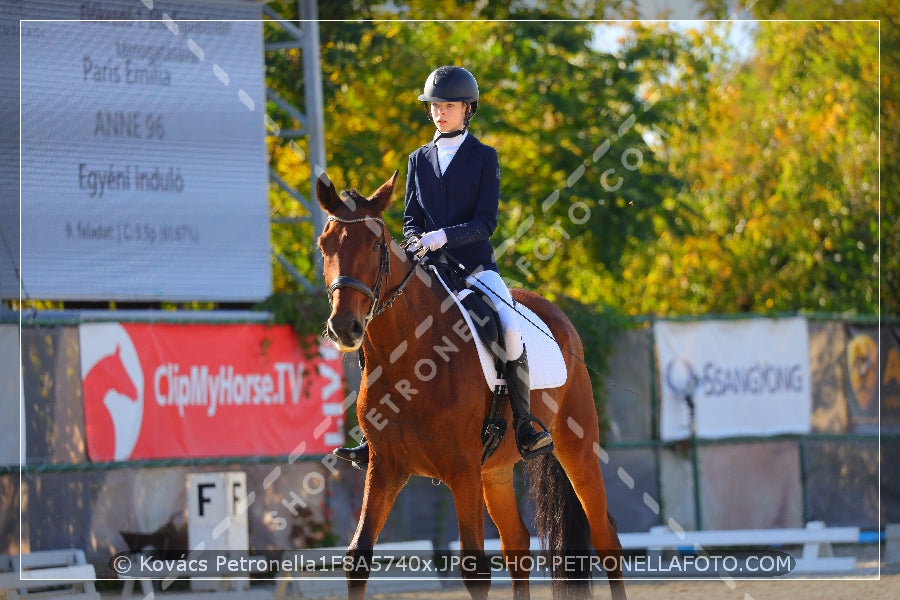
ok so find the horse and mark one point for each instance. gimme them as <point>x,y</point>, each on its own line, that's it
<point>421,410</point>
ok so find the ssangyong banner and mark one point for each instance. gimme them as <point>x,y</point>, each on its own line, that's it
<point>155,391</point>
<point>143,162</point>
<point>747,377</point>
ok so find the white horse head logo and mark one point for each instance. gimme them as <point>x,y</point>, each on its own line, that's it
<point>113,387</point>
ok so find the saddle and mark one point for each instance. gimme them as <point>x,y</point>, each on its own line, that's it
<point>486,321</point>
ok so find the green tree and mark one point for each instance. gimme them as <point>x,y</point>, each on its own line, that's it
<point>673,176</point>
<point>885,31</point>
<point>780,155</point>
<point>549,103</point>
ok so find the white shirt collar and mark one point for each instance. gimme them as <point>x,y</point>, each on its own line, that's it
<point>446,149</point>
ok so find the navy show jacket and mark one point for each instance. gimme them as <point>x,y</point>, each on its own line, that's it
<point>464,201</point>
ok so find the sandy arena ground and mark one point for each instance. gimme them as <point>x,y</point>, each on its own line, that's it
<point>867,587</point>
<point>864,585</point>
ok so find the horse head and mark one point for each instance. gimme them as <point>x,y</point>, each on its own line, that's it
<point>355,247</point>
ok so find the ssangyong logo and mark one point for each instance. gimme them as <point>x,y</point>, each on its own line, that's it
<point>722,379</point>
<point>681,377</point>
<point>113,389</point>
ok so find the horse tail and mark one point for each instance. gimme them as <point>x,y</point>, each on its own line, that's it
<point>562,526</point>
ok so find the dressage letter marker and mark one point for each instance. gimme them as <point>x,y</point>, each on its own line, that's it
<point>217,515</point>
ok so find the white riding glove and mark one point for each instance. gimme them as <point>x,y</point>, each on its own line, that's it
<point>431,241</point>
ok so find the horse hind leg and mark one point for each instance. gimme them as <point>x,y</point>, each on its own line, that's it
<point>468,500</point>
<point>582,467</point>
<point>500,499</point>
<point>614,571</point>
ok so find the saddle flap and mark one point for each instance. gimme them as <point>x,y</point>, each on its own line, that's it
<point>547,367</point>
<point>483,314</point>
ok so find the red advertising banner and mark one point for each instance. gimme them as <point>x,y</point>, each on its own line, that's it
<point>190,391</point>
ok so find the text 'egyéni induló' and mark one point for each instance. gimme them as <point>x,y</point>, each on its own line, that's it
<point>102,181</point>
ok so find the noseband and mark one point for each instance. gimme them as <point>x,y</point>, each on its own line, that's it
<point>384,268</point>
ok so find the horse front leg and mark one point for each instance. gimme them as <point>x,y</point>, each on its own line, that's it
<point>381,489</point>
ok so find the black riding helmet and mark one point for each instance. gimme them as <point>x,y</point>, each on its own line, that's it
<point>451,84</point>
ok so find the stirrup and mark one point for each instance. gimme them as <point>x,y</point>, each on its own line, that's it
<point>539,442</point>
<point>358,457</point>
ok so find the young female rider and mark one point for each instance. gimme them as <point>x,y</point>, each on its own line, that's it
<point>452,202</point>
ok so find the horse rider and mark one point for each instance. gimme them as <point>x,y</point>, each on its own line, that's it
<point>452,202</point>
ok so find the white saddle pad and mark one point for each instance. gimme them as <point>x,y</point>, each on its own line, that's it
<point>546,365</point>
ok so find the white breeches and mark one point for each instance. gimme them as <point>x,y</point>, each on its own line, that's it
<point>496,289</point>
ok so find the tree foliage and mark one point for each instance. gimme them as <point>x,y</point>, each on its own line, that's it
<point>673,175</point>
<point>865,81</point>
<point>780,156</point>
<point>548,104</point>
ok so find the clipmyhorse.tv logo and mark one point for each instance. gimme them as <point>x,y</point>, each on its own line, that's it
<point>113,391</point>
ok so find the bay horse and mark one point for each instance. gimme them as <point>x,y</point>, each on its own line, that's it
<point>421,408</point>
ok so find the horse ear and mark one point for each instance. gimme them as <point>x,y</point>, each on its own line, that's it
<point>326,194</point>
<point>382,196</point>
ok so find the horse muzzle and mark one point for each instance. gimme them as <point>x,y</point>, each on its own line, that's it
<point>346,331</point>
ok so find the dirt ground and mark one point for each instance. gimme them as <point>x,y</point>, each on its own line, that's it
<point>869,587</point>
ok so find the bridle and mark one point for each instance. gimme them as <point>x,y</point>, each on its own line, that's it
<point>384,271</point>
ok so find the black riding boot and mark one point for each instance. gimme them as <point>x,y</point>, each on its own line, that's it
<point>359,456</point>
<point>531,443</point>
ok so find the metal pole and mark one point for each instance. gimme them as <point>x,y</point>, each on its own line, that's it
<point>695,462</point>
<point>654,426</point>
<point>804,478</point>
<point>315,117</point>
